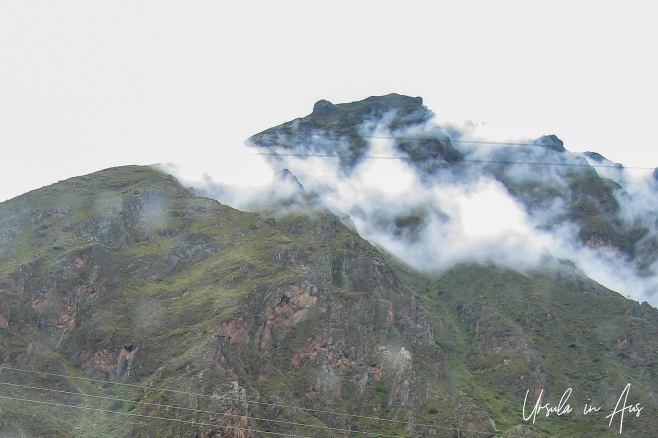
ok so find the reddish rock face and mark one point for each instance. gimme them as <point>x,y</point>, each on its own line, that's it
<point>249,320</point>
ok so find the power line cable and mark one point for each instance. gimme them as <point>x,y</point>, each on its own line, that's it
<point>384,157</point>
<point>229,397</point>
<point>365,417</point>
<point>195,423</point>
<point>2,367</point>
<point>215,413</point>
<point>480,142</point>
<point>225,414</point>
<point>160,405</point>
<point>453,140</point>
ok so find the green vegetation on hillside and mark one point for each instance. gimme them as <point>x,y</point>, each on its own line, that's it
<point>176,315</point>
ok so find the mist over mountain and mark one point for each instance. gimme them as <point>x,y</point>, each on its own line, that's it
<point>395,279</point>
<point>434,196</point>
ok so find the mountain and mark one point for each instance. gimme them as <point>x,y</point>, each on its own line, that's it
<point>347,122</point>
<point>131,305</point>
<point>581,201</point>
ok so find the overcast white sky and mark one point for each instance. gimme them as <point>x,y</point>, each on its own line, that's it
<point>87,85</point>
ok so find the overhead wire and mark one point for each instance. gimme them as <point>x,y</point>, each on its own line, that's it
<point>365,417</point>
<point>90,379</point>
<point>229,397</point>
<point>224,414</point>
<point>201,423</point>
<point>195,423</point>
<point>454,140</point>
<point>467,160</point>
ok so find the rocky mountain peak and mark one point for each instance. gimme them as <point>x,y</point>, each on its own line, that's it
<point>323,108</point>
<point>347,128</point>
<point>551,142</point>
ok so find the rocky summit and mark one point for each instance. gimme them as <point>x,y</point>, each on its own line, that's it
<point>132,306</point>
<point>350,124</point>
<point>585,191</point>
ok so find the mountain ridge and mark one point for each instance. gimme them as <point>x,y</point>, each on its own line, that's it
<point>154,286</point>
<point>131,305</point>
<point>602,208</point>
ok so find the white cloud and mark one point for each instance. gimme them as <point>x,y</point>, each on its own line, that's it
<point>454,215</point>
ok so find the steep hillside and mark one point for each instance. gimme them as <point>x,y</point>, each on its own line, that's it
<point>124,276</point>
<point>132,307</point>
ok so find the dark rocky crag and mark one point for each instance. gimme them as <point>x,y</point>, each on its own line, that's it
<point>349,125</point>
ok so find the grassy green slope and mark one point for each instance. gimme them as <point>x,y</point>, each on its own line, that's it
<point>99,268</point>
<point>237,321</point>
<point>505,333</point>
